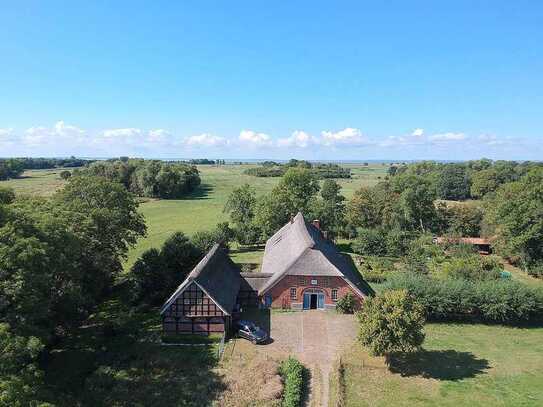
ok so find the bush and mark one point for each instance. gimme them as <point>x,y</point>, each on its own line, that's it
<point>472,267</point>
<point>370,242</point>
<point>292,372</point>
<point>7,195</point>
<point>397,242</point>
<point>536,269</point>
<point>391,322</point>
<point>501,301</point>
<point>346,304</point>
<point>376,269</point>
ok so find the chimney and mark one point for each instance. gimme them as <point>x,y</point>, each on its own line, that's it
<point>317,224</point>
<point>291,219</point>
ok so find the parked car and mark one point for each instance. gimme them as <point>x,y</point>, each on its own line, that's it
<point>249,330</point>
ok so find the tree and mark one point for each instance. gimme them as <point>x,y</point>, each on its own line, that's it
<point>374,207</point>
<point>461,220</point>
<point>453,183</point>
<point>157,273</point>
<point>241,206</point>
<point>516,215</point>
<point>370,242</point>
<point>416,204</point>
<point>330,210</point>
<point>391,322</point>
<point>297,187</point>
<point>20,377</point>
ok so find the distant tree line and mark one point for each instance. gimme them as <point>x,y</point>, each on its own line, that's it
<point>14,167</point>
<point>147,178</point>
<point>320,170</point>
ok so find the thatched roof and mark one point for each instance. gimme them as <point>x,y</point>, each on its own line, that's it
<point>217,275</point>
<point>299,248</point>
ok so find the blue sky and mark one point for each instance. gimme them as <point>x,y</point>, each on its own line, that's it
<point>257,79</point>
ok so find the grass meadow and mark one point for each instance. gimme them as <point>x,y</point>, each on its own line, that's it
<point>200,211</point>
<point>461,364</point>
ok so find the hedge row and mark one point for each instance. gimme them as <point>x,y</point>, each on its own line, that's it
<point>291,371</point>
<point>486,301</point>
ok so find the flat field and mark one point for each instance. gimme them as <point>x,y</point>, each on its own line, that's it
<point>204,209</point>
<point>462,364</point>
<point>200,211</point>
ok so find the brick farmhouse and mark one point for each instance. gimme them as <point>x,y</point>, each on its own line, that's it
<point>301,270</point>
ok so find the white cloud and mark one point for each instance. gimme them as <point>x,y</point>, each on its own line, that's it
<point>299,139</point>
<point>206,140</point>
<point>122,133</point>
<point>448,137</point>
<point>254,139</point>
<point>59,133</point>
<point>491,140</point>
<point>345,137</point>
<point>5,133</point>
<point>418,133</point>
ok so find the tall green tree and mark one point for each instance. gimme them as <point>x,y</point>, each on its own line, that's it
<point>516,214</point>
<point>391,322</point>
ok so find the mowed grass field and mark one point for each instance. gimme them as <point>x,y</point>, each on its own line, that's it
<point>200,211</point>
<point>462,364</point>
<point>204,209</point>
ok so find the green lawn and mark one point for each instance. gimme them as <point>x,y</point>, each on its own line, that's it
<point>37,182</point>
<point>462,364</point>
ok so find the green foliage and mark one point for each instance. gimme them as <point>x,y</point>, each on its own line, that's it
<point>374,207</point>
<point>473,267</point>
<point>391,322</point>
<point>10,168</point>
<point>157,273</point>
<point>150,178</point>
<point>461,220</point>
<point>292,372</point>
<point>454,183</point>
<point>516,215</point>
<point>330,210</point>
<point>498,301</point>
<point>346,304</point>
<point>59,257</point>
<point>241,206</point>
<point>421,250</point>
<point>20,377</point>
<point>7,195</point>
<point>65,174</point>
<point>204,240</point>
<point>319,170</point>
<point>376,269</point>
<point>370,242</point>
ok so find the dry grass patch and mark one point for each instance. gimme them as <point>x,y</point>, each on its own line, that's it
<point>251,379</point>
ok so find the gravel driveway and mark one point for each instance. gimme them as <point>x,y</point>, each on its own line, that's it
<point>316,338</point>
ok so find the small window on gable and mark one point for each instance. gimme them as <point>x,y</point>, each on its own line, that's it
<point>293,293</point>
<point>334,294</point>
<point>314,282</point>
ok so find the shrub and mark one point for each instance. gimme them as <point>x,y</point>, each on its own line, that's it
<point>370,242</point>
<point>7,195</point>
<point>472,267</point>
<point>391,322</point>
<point>397,242</point>
<point>346,304</point>
<point>292,372</point>
<point>536,269</point>
<point>498,301</point>
<point>376,269</point>
<point>65,174</point>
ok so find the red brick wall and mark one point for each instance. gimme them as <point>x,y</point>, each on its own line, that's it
<point>281,291</point>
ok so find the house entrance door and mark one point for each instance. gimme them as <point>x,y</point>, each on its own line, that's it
<point>314,299</point>
<point>313,304</point>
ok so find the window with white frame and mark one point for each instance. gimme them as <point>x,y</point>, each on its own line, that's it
<point>334,294</point>
<point>293,293</point>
